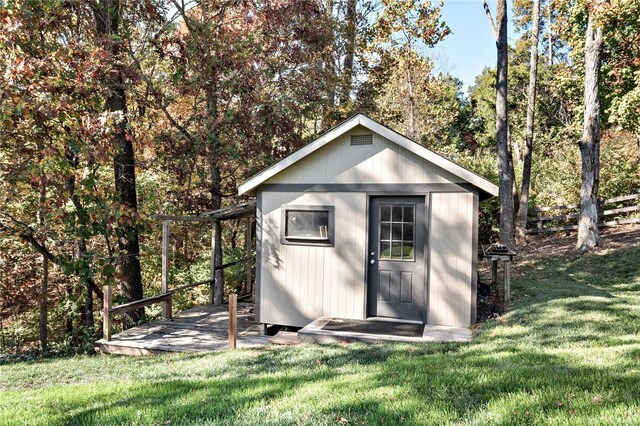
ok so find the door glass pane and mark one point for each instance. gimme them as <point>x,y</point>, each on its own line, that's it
<point>407,250</point>
<point>385,250</point>
<point>396,250</point>
<point>397,231</point>
<point>397,213</point>
<point>385,231</point>
<point>385,213</point>
<point>407,232</point>
<point>408,214</point>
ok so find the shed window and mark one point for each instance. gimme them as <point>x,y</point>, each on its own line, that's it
<point>308,225</point>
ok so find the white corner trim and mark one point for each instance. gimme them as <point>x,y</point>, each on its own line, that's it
<point>361,119</point>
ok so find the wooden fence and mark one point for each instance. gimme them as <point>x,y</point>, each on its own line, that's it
<point>613,211</point>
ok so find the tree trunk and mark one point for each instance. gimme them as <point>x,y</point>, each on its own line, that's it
<point>588,236</point>
<point>44,284</point>
<point>87,283</point>
<point>505,163</point>
<point>218,289</point>
<point>216,193</point>
<point>412,104</point>
<point>349,52</point>
<point>549,34</point>
<point>523,208</point>
<point>107,14</point>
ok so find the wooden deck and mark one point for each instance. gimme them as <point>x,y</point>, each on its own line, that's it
<point>201,329</point>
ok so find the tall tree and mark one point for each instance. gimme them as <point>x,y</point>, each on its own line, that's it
<point>239,80</point>
<point>107,15</point>
<point>588,235</point>
<point>351,24</point>
<point>523,208</point>
<point>505,162</point>
<point>403,29</point>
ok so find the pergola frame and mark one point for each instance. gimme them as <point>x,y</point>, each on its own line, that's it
<point>245,210</point>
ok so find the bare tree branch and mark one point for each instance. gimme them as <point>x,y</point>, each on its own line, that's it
<point>492,24</point>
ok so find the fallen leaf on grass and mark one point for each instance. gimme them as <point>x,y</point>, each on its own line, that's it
<point>596,399</point>
<point>342,420</point>
<point>572,412</point>
<point>559,404</point>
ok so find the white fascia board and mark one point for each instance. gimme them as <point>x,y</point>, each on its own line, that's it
<point>430,156</point>
<point>269,172</point>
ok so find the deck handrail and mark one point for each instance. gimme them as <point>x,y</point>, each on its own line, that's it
<point>166,298</point>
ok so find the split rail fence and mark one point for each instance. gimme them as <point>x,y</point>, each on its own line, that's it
<point>612,212</point>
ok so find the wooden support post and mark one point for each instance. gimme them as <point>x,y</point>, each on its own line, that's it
<point>539,215</point>
<point>248,256</point>
<point>212,284</point>
<point>233,313</point>
<point>169,307</point>
<point>507,280</point>
<point>166,308</point>
<point>494,273</point>
<point>106,318</point>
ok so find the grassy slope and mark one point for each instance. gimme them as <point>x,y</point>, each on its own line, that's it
<point>568,353</point>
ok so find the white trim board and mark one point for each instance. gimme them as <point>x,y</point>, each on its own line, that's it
<point>360,119</point>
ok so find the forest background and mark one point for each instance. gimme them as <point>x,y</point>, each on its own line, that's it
<point>111,111</point>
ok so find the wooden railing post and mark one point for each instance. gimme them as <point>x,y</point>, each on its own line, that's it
<point>248,256</point>
<point>106,317</point>
<point>166,307</point>
<point>507,280</point>
<point>233,313</point>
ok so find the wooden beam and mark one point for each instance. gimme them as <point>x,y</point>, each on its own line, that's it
<point>165,265</point>
<point>106,316</point>
<point>132,306</point>
<point>623,198</point>
<point>233,314</point>
<point>546,209</point>
<point>183,287</point>
<point>189,218</point>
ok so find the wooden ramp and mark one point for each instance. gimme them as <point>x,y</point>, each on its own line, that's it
<point>201,329</point>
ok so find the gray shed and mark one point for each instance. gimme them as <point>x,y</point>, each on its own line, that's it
<point>365,223</point>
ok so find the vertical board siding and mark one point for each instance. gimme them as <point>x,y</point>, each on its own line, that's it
<point>382,162</point>
<point>302,283</point>
<point>451,259</point>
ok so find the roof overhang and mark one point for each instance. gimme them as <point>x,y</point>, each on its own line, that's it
<point>484,186</point>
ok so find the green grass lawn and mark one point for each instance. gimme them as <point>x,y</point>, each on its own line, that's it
<point>567,353</point>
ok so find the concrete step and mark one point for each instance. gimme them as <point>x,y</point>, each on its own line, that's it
<point>285,338</point>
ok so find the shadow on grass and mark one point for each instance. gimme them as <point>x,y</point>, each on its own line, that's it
<point>425,384</point>
<point>588,299</point>
<point>568,352</point>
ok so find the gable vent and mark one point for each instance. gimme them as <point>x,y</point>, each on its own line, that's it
<point>359,140</point>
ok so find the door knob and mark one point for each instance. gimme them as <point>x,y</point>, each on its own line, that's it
<point>372,261</point>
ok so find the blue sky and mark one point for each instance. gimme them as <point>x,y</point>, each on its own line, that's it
<point>470,46</point>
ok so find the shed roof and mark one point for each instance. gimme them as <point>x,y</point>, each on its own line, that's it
<point>467,175</point>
